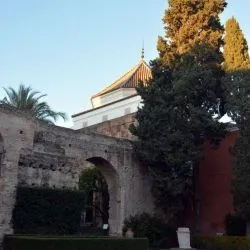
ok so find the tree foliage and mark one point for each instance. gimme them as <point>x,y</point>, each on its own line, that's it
<point>237,84</point>
<point>159,234</point>
<point>235,53</point>
<point>241,170</point>
<point>47,211</point>
<point>237,78</point>
<point>181,104</point>
<point>188,23</point>
<point>30,101</point>
<point>92,182</point>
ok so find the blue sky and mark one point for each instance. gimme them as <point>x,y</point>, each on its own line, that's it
<point>71,49</point>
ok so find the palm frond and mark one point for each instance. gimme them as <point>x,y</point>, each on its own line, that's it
<point>29,100</point>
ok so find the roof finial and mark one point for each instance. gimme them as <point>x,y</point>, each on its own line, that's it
<point>142,51</point>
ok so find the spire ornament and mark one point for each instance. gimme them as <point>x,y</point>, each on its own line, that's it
<point>142,51</point>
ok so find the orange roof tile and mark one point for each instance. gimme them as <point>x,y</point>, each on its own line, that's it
<point>141,72</point>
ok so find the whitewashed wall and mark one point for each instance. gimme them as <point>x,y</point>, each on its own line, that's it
<point>108,112</point>
<point>112,96</point>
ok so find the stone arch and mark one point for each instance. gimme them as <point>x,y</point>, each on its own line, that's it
<point>113,181</point>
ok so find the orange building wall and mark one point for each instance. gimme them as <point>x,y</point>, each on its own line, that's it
<point>215,183</point>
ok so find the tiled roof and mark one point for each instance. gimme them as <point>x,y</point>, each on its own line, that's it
<point>141,72</point>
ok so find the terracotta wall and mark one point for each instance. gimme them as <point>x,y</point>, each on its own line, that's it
<point>215,184</point>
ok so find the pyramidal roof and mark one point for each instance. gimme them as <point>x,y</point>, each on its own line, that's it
<point>140,73</point>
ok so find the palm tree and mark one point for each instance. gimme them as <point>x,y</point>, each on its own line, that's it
<point>29,100</point>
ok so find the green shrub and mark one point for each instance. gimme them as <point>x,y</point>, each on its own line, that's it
<point>47,211</point>
<point>235,225</point>
<point>93,231</point>
<point>92,181</point>
<point>72,243</point>
<point>160,235</point>
<point>222,243</point>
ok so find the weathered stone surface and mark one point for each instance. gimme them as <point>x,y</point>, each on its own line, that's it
<point>118,127</point>
<point>36,154</point>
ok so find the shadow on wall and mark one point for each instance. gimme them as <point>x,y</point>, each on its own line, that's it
<point>1,153</point>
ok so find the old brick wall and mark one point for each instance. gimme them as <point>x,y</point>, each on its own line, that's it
<point>1,152</point>
<point>118,127</point>
<point>37,154</point>
<point>16,132</point>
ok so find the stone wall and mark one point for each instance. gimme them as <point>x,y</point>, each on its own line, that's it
<point>1,152</point>
<point>118,127</point>
<point>37,154</point>
<point>214,180</point>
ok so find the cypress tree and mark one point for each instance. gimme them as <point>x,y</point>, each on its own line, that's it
<point>188,23</point>
<point>181,101</point>
<point>237,67</point>
<point>235,53</point>
<point>237,84</point>
<point>241,170</point>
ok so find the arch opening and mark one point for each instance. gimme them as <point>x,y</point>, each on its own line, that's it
<point>105,195</point>
<point>95,187</point>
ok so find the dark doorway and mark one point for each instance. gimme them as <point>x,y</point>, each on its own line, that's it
<point>93,183</point>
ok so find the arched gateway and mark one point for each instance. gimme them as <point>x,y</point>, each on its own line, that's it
<point>37,154</point>
<point>112,179</point>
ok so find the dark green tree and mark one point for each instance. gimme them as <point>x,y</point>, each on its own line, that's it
<point>237,67</point>
<point>181,102</point>
<point>241,170</point>
<point>235,52</point>
<point>237,84</point>
<point>28,100</point>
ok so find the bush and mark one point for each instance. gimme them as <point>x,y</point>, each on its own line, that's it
<point>222,243</point>
<point>72,243</point>
<point>47,211</point>
<point>92,181</point>
<point>93,231</point>
<point>235,225</point>
<point>159,234</point>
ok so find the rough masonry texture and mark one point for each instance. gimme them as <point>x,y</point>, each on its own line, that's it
<point>36,154</point>
<point>214,180</point>
<point>33,153</point>
<point>118,127</point>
